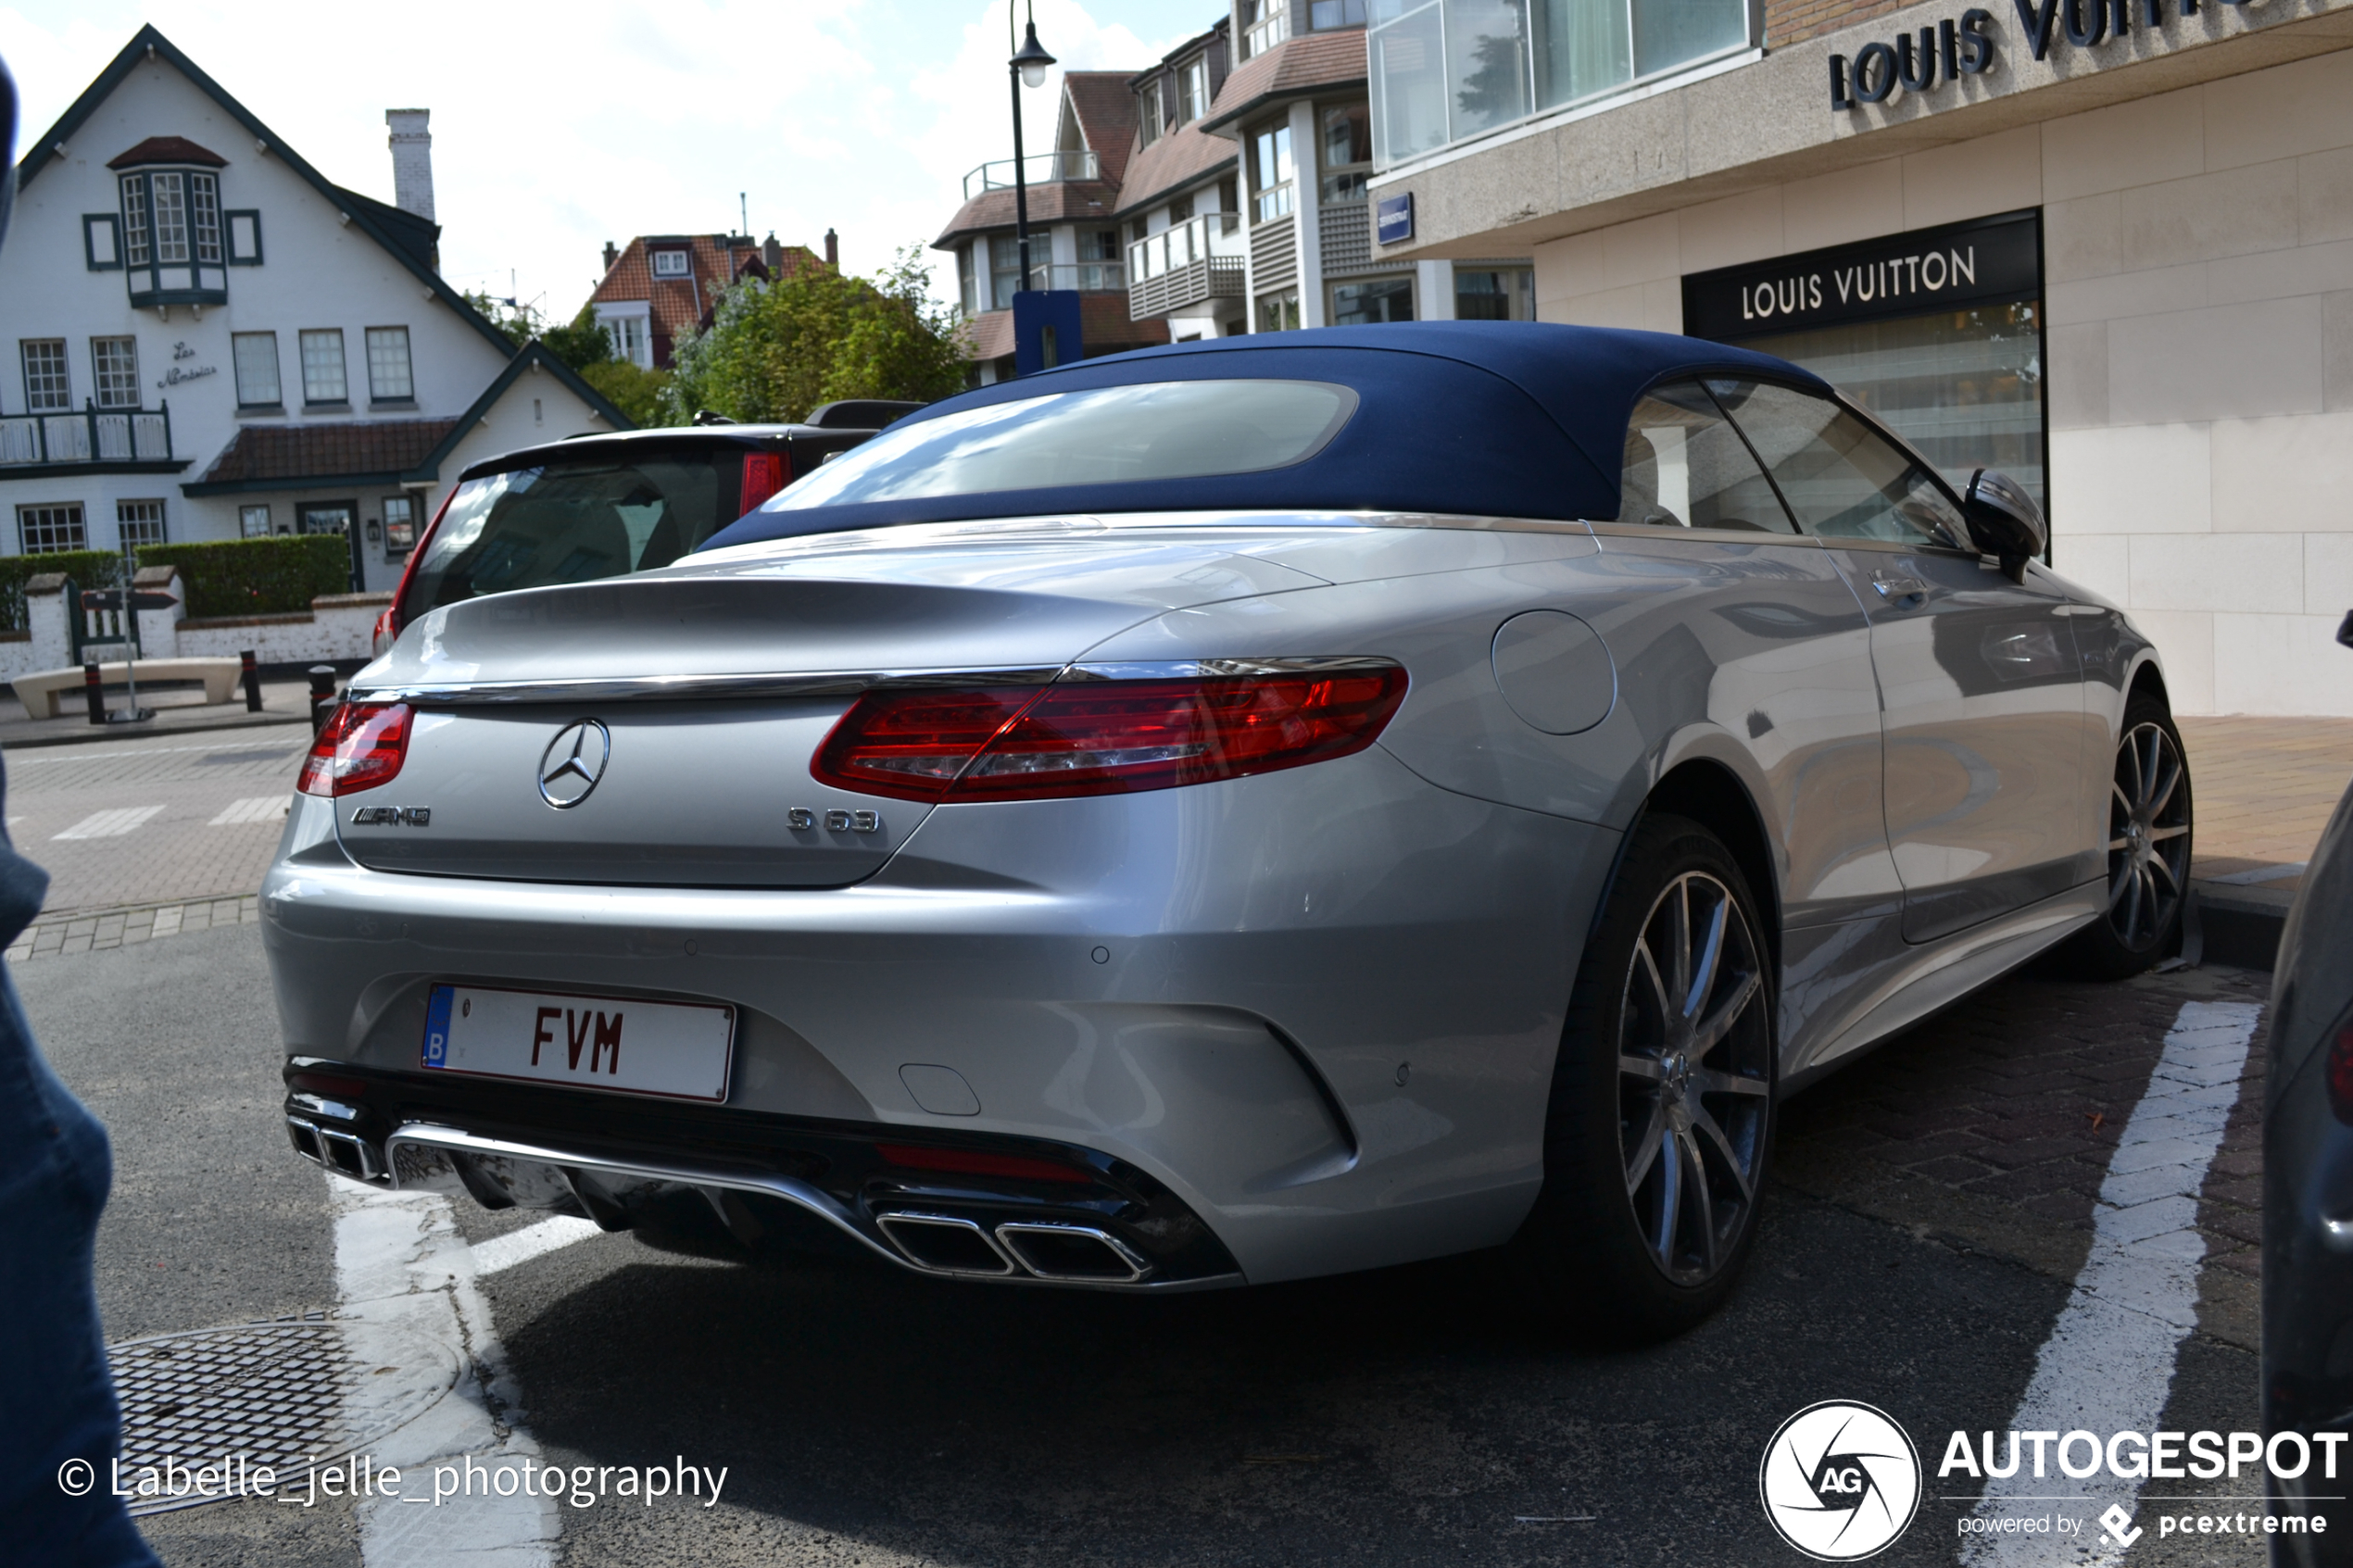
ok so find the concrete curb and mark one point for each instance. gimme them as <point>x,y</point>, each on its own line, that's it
<point>2240,925</point>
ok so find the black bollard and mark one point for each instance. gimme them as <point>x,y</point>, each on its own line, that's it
<point>323,695</point>
<point>252,682</point>
<point>96,692</point>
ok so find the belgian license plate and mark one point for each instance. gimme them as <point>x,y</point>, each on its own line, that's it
<point>678,1050</point>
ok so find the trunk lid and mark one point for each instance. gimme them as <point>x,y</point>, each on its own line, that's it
<point>707,689</point>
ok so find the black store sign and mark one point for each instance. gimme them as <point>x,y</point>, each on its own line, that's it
<point>1983,261</point>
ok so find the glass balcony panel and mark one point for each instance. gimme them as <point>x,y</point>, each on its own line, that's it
<point>1581,49</point>
<point>1668,32</point>
<point>1038,169</point>
<point>1486,63</point>
<point>1409,84</point>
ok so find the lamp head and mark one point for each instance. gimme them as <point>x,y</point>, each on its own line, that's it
<point>1033,59</point>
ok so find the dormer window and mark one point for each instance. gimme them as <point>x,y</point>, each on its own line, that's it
<point>171,240</point>
<point>670,264</point>
<point>1192,91</point>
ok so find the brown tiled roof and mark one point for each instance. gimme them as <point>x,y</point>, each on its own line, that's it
<point>1179,158</point>
<point>336,451</point>
<point>681,305</point>
<point>1102,321</point>
<point>1106,112</point>
<point>1060,201</point>
<point>1296,66</point>
<point>168,149</point>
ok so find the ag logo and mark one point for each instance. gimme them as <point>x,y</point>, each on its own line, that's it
<point>1840,1481</point>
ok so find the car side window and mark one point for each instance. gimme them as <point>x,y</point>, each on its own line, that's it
<point>1686,467</point>
<point>1842,478</point>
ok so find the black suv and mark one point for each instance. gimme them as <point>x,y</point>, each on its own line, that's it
<point>602,506</point>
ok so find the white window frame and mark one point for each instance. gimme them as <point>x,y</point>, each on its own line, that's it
<point>670,262</point>
<point>114,372</point>
<point>51,516</point>
<point>238,359</point>
<point>387,351</point>
<point>138,514</point>
<point>321,337</point>
<point>41,398</point>
<point>253,522</point>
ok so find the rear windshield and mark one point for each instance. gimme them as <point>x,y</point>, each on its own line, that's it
<point>537,527</point>
<point>1119,434</point>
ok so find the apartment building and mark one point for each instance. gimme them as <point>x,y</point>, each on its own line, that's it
<point>2106,244</point>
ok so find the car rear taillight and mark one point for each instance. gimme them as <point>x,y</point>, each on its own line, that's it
<point>2340,1068</point>
<point>361,745</point>
<point>763,476</point>
<point>1102,738</point>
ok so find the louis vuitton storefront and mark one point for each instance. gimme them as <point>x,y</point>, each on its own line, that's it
<point>2104,244</point>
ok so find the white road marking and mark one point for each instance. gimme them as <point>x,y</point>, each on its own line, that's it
<point>402,1269</point>
<point>2108,1365</point>
<point>503,1252</point>
<point>110,824</point>
<point>258,809</point>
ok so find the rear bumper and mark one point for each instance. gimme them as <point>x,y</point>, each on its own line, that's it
<point>1319,1008</point>
<point>769,1181</point>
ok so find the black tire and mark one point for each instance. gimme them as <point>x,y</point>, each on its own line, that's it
<point>2148,850</point>
<point>1623,1245</point>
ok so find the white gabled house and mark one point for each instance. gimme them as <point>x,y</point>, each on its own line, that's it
<point>208,339</point>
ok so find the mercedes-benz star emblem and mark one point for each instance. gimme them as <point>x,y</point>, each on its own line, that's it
<point>572,763</point>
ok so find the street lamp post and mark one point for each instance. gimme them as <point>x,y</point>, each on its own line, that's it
<point>1026,68</point>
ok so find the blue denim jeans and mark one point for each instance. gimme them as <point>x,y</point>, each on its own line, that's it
<point>57,1402</point>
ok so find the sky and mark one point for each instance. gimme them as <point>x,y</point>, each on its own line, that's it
<point>561,124</point>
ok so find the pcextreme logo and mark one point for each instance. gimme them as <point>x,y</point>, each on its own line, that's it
<point>1840,1481</point>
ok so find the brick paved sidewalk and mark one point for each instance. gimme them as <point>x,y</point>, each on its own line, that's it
<point>2265,788</point>
<point>99,930</point>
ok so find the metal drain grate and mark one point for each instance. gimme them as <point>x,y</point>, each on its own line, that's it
<point>288,1395</point>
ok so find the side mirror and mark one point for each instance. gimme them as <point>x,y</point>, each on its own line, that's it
<point>2004,521</point>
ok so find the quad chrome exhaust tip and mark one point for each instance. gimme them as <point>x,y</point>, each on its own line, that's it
<point>345,1153</point>
<point>1048,1250</point>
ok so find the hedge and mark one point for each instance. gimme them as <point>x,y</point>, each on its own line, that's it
<point>89,569</point>
<point>277,575</point>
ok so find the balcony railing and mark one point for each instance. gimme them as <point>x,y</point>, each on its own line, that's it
<point>1094,275</point>
<point>1186,264</point>
<point>1264,34</point>
<point>1038,168</point>
<point>93,436</point>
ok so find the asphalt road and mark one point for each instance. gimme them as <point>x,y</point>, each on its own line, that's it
<point>1408,1417</point>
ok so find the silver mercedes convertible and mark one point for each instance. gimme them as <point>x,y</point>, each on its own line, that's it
<point>1229,813</point>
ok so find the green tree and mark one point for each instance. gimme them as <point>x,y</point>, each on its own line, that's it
<point>634,391</point>
<point>581,345</point>
<point>776,350</point>
<point>520,323</point>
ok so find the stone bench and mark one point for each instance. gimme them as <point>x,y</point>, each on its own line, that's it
<point>41,693</point>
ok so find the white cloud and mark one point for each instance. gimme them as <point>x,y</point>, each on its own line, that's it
<point>560,124</point>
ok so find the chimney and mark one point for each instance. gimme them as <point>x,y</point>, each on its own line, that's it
<point>833,250</point>
<point>772,253</point>
<point>411,161</point>
<point>611,256</point>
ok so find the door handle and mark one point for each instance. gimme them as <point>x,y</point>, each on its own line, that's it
<point>1904,593</point>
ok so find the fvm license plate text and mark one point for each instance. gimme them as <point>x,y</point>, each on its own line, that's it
<point>599,1031</point>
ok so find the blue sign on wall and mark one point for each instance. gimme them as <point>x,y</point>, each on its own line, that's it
<point>1046,330</point>
<point>1396,218</point>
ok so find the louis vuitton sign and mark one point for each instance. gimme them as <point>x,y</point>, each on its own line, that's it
<point>1984,262</point>
<point>1939,55</point>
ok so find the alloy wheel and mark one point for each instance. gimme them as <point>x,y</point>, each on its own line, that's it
<point>1694,1076</point>
<point>2148,836</point>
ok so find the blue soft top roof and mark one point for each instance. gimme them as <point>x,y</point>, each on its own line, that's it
<point>1501,419</point>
